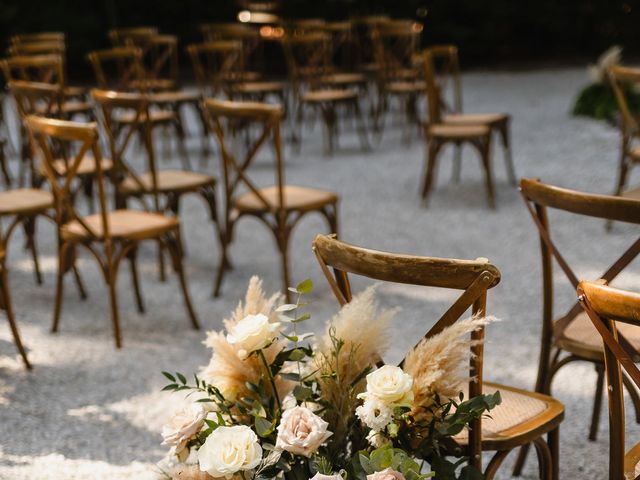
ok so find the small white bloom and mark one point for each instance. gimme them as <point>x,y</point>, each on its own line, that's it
<point>390,385</point>
<point>184,425</point>
<point>378,439</point>
<point>301,431</point>
<point>252,333</point>
<point>228,450</point>
<point>375,414</point>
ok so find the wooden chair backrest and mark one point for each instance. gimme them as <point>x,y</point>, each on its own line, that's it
<point>119,37</point>
<point>221,115</point>
<point>119,136</point>
<point>38,37</point>
<point>308,58</point>
<point>159,55</point>
<point>473,277</point>
<point>395,44</point>
<point>227,31</point>
<point>36,68</point>
<point>341,40</point>
<point>53,135</point>
<point>441,67</point>
<point>38,48</point>
<point>37,98</point>
<point>621,78</point>
<point>607,306</point>
<point>216,64</point>
<point>538,198</point>
<point>116,68</point>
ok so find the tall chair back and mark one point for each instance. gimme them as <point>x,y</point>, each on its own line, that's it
<point>308,59</point>
<point>441,70</point>
<point>120,37</point>
<point>34,68</point>
<point>621,78</point>
<point>607,306</point>
<point>472,277</point>
<point>395,45</point>
<point>216,65</point>
<point>117,68</point>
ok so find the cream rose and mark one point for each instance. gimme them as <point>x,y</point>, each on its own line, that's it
<point>228,450</point>
<point>252,333</point>
<point>390,385</point>
<point>320,476</point>
<point>301,431</point>
<point>386,474</point>
<point>184,425</point>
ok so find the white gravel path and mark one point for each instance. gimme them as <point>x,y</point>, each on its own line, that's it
<point>89,411</point>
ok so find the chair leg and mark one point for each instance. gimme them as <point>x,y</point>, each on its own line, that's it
<point>3,166</point>
<point>6,302</point>
<point>174,246</point>
<point>79,284</point>
<point>283,245</point>
<point>362,131</point>
<point>633,393</point>
<point>485,152</point>
<point>597,403</point>
<point>113,299</point>
<point>30,232</point>
<point>62,268</point>
<point>457,163</point>
<point>505,135</point>
<point>544,459</point>
<point>225,264</point>
<point>495,463</point>
<point>623,172</point>
<point>553,439</point>
<point>134,279</point>
<point>182,147</point>
<point>161,272</point>
<point>432,153</point>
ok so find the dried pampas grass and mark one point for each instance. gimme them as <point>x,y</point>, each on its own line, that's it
<point>227,370</point>
<point>440,364</point>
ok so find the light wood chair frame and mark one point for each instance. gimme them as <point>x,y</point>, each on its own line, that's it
<point>115,249</point>
<point>606,306</point>
<point>473,278</point>
<point>539,198</point>
<point>279,219</point>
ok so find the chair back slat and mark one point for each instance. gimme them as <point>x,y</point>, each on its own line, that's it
<point>34,68</point>
<point>621,80</point>
<point>472,277</point>
<point>117,68</point>
<point>216,65</point>
<point>607,306</point>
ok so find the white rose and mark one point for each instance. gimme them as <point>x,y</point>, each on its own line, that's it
<point>320,476</point>
<point>183,426</point>
<point>252,333</point>
<point>301,431</point>
<point>390,385</point>
<point>386,474</point>
<point>228,450</point>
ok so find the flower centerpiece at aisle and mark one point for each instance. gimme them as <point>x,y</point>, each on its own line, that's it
<point>274,402</point>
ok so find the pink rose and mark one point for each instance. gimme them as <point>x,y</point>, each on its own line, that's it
<point>183,426</point>
<point>386,474</point>
<point>301,431</point>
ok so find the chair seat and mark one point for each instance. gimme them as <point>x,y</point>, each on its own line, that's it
<point>345,78</point>
<point>123,224</point>
<point>458,131</point>
<point>582,338</point>
<point>332,95</point>
<point>633,193</point>
<point>295,198</point>
<point>634,153</point>
<point>22,201</point>
<point>178,96</point>
<point>632,462</point>
<point>168,181</point>
<point>521,417</point>
<point>258,87</point>
<point>416,86</point>
<point>475,118</point>
<point>87,165</point>
<point>160,116</point>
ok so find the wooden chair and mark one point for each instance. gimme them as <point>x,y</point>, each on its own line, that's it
<point>448,78</point>
<point>523,417</point>
<point>621,78</point>
<point>281,206</point>
<point>395,46</point>
<point>6,305</point>
<point>609,309</point>
<point>572,333</point>
<point>118,232</point>
<point>438,134</point>
<point>119,37</point>
<point>38,37</point>
<point>37,48</point>
<point>307,58</point>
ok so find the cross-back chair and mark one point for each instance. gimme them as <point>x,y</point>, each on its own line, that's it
<point>438,134</point>
<point>110,235</point>
<point>308,61</point>
<point>117,68</point>
<point>609,308</point>
<point>571,337</point>
<point>38,37</point>
<point>281,206</point>
<point>621,78</point>
<point>395,46</point>
<point>447,70</point>
<point>119,37</point>
<point>159,59</point>
<point>522,417</point>
<point>249,37</point>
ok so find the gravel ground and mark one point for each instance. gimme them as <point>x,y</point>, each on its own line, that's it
<point>89,411</point>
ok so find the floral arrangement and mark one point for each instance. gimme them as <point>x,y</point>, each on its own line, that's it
<point>597,99</point>
<point>273,403</point>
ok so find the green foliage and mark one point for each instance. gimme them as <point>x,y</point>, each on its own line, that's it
<point>387,457</point>
<point>598,101</point>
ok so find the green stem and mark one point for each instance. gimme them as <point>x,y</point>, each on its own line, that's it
<point>271,379</point>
